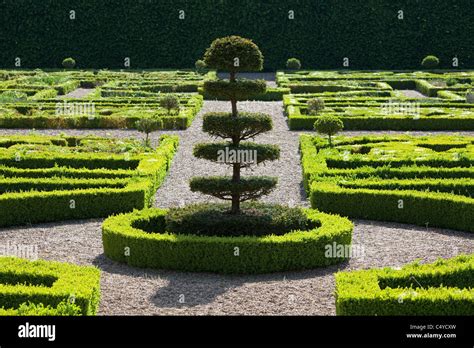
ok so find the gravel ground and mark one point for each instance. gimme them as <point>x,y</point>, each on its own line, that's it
<point>410,93</point>
<point>78,93</point>
<point>175,190</point>
<point>133,291</point>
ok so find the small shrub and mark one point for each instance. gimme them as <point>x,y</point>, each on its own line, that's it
<point>200,66</point>
<point>147,125</point>
<point>329,125</point>
<point>170,102</point>
<point>69,63</point>
<point>255,219</point>
<point>430,62</point>
<point>293,64</point>
<point>315,106</point>
<point>451,82</point>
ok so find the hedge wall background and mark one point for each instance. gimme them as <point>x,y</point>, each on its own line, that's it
<point>150,32</point>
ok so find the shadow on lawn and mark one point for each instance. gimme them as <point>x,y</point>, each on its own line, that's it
<point>186,289</point>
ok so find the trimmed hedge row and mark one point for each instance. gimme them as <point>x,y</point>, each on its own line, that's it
<point>296,121</point>
<point>47,284</point>
<point>441,288</point>
<point>299,121</point>
<point>111,114</point>
<point>430,209</point>
<point>77,202</point>
<point>126,243</point>
<point>379,40</point>
<point>385,190</point>
<point>271,94</point>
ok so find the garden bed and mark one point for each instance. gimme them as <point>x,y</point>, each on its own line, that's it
<point>124,241</point>
<point>424,181</point>
<point>60,178</point>
<point>441,288</point>
<point>47,288</point>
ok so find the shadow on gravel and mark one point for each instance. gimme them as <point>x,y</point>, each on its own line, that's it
<point>186,289</point>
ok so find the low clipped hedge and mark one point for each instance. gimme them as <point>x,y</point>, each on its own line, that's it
<point>441,288</point>
<point>271,94</point>
<point>431,209</point>
<point>45,288</point>
<point>407,190</point>
<point>55,199</point>
<point>110,113</point>
<point>298,121</point>
<point>124,241</point>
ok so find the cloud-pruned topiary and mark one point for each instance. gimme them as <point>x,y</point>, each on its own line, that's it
<point>235,54</point>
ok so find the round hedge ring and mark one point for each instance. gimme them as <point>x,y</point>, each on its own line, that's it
<point>125,240</point>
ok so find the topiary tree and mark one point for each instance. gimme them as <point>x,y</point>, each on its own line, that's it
<point>69,63</point>
<point>293,64</point>
<point>147,125</point>
<point>169,102</point>
<point>315,106</point>
<point>235,54</point>
<point>329,125</point>
<point>200,66</point>
<point>430,62</point>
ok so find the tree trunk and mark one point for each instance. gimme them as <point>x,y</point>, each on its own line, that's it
<point>232,101</point>
<point>236,197</point>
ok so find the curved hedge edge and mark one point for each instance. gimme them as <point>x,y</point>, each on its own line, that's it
<point>293,251</point>
<point>420,208</point>
<point>389,291</point>
<point>78,284</point>
<point>36,207</point>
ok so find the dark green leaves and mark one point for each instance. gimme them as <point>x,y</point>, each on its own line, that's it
<point>223,187</point>
<point>242,89</point>
<point>234,53</point>
<point>245,154</point>
<point>247,125</point>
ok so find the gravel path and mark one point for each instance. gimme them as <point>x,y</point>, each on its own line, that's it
<point>133,291</point>
<point>411,93</point>
<point>175,190</point>
<point>78,93</point>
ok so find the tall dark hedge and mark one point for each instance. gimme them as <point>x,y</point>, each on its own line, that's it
<point>151,34</point>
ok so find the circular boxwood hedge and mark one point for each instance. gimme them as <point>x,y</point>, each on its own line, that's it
<point>125,240</point>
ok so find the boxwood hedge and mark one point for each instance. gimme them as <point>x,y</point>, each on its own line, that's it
<point>164,38</point>
<point>425,181</point>
<point>47,287</point>
<point>124,241</point>
<point>52,184</point>
<point>441,288</point>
